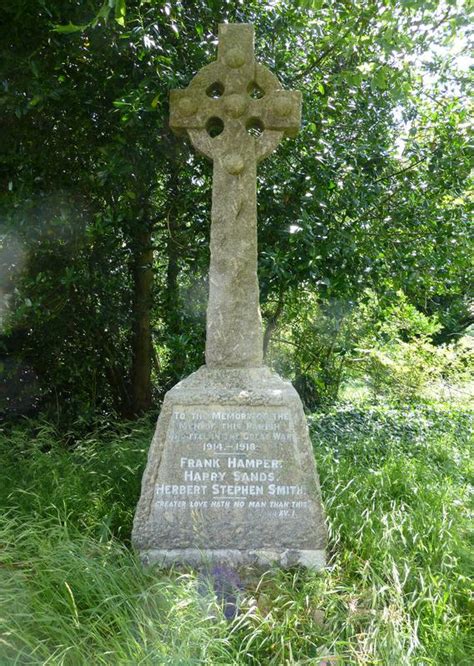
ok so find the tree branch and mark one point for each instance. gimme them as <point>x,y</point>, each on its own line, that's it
<point>407,168</point>
<point>330,49</point>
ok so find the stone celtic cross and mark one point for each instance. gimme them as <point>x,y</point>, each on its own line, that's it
<point>234,112</point>
<point>231,476</point>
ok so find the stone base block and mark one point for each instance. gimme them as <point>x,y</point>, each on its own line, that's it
<point>311,559</point>
<point>231,477</point>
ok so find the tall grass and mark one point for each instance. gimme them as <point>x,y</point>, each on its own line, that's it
<point>395,485</point>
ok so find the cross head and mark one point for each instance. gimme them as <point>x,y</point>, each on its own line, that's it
<point>235,103</point>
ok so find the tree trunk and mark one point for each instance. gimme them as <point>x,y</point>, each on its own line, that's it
<point>140,390</point>
<point>172,314</point>
<point>272,324</point>
<point>172,272</point>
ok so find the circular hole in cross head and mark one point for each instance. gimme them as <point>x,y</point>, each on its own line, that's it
<point>214,126</point>
<point>254,126</point>
<point>255,91</point>
<point>215,90</point>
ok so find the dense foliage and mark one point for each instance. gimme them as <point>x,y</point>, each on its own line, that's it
<point>104,213</point>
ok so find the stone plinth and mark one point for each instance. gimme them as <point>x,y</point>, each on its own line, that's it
<point>231,476</point>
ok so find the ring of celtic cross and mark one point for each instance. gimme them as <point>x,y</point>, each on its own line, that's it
<point>235,106</point>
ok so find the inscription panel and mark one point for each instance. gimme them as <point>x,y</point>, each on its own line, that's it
<point>234,458</point>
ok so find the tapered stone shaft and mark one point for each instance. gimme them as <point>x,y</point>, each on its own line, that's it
<point>234,325</point>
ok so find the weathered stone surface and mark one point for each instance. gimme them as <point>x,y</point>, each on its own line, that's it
<point>231,475</point>
<point>220,98</point>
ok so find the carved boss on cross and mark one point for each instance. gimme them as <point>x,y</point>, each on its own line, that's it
<point>235,107</point>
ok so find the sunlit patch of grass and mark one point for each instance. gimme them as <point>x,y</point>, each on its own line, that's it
<point>395,485</point>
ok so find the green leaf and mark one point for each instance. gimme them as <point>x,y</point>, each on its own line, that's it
<point>380,78</point>
<point>103,12</point>
<point>311,4</point>
<point>69,28</point>
<point>120,11</point>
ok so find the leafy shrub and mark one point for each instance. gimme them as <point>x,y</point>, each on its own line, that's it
<point>398,359</point>
<point>387,343</point>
